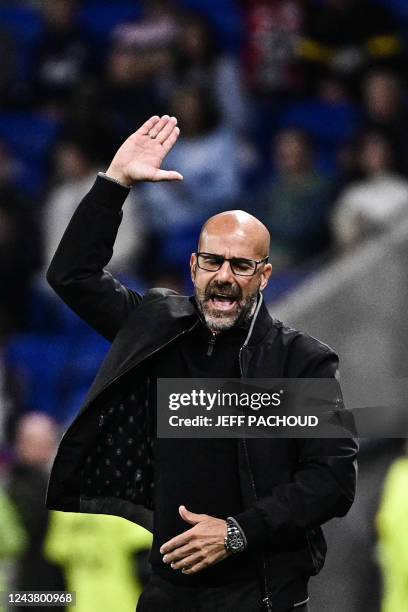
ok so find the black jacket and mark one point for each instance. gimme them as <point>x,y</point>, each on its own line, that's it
<point>105,461</point>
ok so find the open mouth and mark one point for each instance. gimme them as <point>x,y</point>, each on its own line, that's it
<point>223,302</point>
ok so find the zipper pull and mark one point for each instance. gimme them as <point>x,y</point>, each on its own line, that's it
<point>211,345</point>
<point>267,604</point>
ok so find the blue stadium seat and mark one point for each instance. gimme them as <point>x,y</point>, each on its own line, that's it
<point>176,246</point>
<point>398,7</point>
<point>329,125</point>
<point>25,25</point>
<point>226,17</point>
<point>22,20</point>
<point>84,362</point>
<point>72,403</point>
<point>39,362</point>
<point>100,17</point>
<point>30,138</point>
<point>52,368</point>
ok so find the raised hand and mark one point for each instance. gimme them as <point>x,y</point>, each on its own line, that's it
<point>141,155</point>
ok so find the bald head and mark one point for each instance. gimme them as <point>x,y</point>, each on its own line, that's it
<point>237,226</point>
<point>227,296</point>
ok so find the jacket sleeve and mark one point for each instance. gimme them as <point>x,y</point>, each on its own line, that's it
<point>323,483</point>
<point>77,273</point>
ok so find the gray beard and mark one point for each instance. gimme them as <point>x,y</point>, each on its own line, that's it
<point>217,322</point>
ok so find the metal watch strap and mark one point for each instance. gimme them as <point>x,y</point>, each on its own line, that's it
<point>235,540</point>
<point>109,178</point>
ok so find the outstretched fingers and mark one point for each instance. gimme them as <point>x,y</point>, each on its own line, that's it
<point>148,125</point>
<point>162,133</point>
<point>159,125</point>
<point>171,139</point>
<point>166,130</point>
<point>161,129</point>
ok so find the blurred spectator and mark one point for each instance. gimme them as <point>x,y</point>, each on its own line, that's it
<point>376,202</point>
<point>139,65</point>
<point>62,58</point>
<point>76,171</point>
<point>384,101</point>
<point>7,67</point>
<point>137,80</point>
<point>345,37</point>
<point>273,30</point>
<point>199,60</point>
<point>392,527</point>
<point>206,155</point>
<point>90,123</point>
<point>333,90</point>
<point>12,539</point>
<point>157,31</point>
<point>294,205</point>
<point>35,446</point>
<point>3,397</point>
<point>98,556</point>
<point>6,404</point>
<point>19,244</point>
<point>129,90</point>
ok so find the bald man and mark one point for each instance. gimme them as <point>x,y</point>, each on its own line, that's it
<point>236,523</point>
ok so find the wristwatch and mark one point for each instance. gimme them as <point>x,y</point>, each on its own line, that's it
<point>235,540</point>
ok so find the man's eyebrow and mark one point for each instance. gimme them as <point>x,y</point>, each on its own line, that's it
<point>241,257</point>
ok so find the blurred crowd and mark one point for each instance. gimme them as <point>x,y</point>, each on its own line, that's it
<point>294,110</point>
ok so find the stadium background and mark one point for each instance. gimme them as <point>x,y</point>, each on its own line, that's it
<point>293,110</point>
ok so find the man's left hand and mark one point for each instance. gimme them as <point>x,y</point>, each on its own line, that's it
<point>200,546</point>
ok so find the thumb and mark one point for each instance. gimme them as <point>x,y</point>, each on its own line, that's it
<point>167,175</point>
<point>190,517</point>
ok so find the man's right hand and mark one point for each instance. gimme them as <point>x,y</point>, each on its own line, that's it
<point>141,155</point>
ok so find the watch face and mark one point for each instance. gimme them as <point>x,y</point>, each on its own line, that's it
<point>235,541</point>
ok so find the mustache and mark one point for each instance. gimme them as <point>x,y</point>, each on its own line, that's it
<point>227,289</point>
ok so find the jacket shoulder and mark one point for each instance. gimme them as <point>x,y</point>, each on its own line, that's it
<point>301,341</point>
<point>159,292</point>
<point>304,354</point>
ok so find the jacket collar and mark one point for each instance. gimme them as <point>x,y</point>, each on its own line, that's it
<point>260,324</point>
<point>154,324</point>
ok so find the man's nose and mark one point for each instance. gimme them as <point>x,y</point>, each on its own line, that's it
<point>225,273</point>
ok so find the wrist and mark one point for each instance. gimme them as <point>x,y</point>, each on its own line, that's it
<point>118,176</point>
<point>256,530</point>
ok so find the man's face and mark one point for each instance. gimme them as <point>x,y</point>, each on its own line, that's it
<point>224,298</point>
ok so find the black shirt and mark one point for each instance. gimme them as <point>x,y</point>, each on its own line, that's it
<point>202,473</point>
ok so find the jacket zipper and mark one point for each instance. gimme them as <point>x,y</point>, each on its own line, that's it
<point>266,601</point>
<point>211,344</point>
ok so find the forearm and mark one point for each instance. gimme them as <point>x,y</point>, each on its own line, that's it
<point>323,487</point>
<point>77,272</point>
<point>322,482</point>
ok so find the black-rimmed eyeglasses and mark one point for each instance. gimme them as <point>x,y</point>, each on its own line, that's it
<point>239,265</point>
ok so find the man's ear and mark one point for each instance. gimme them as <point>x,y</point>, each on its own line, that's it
<point>193,265</point>
<point>265,276</point>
